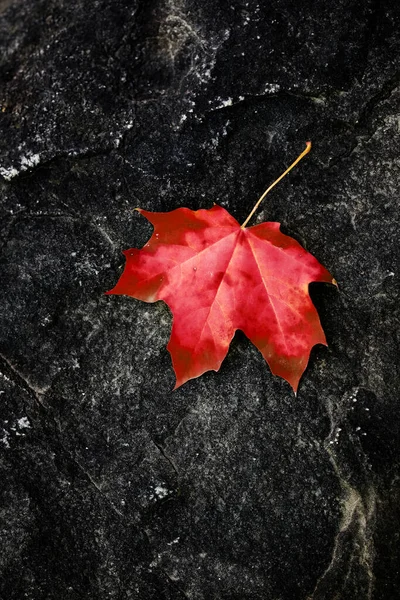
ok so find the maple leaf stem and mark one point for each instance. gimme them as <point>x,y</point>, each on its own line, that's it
<point>298,159</point>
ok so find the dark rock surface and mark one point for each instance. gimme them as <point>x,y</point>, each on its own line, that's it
<point>114,487</point>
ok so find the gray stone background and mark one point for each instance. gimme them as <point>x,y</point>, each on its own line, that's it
<point>112,486</point>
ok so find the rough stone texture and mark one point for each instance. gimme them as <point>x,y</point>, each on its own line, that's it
<point>114,487</point>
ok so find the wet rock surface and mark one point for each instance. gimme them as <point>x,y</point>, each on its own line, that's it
<point>114,487</point>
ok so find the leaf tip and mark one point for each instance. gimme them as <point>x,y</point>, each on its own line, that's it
<point>294,385</point>
<point>178,384</point>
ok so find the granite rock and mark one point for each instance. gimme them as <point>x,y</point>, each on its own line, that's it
<point>113,486</point>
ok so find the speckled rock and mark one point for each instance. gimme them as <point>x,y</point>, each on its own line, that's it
<point>230,488</point>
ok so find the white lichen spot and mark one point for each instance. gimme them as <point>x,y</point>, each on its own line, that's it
<point>224,103</point>
<point>26,162</point>
<point>335,440</point>
<point>4,439</point>
<point>23,423</point>
<point>271,88</point>
<point>175,541</point>
<point>160,491</point>
<point>8,173</point>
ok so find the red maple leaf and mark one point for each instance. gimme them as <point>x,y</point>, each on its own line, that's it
<point>217,276</point>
